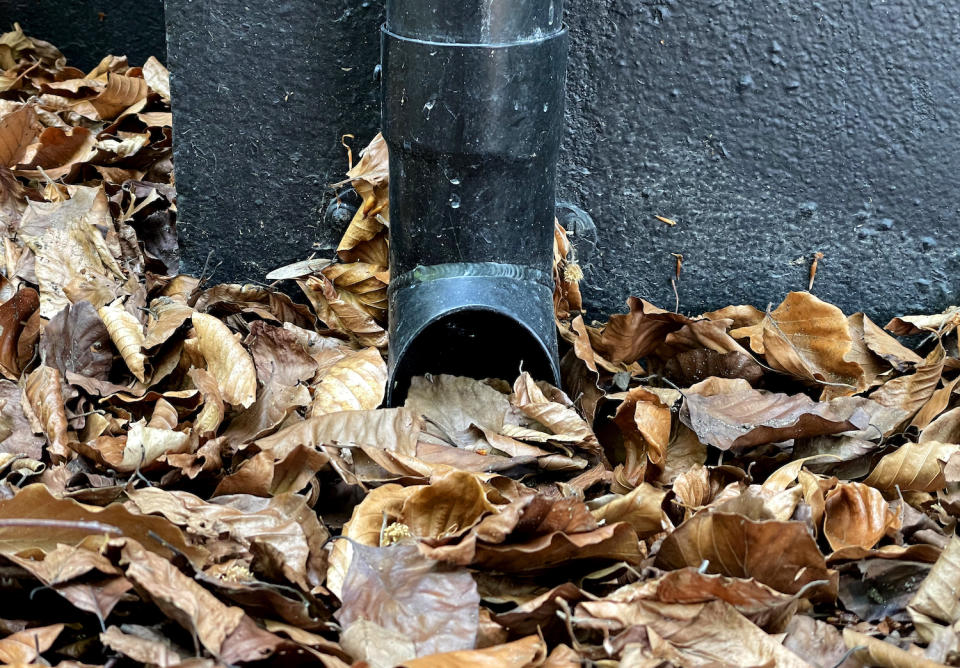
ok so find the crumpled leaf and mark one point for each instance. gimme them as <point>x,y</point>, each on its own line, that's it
<point>857,515</point>
<point>400,590</point>
<point>704,632</point>
<point>935,608</point>
<point>126,333</point>
<point>189,604</point>
<point>911,392</point>
<point>227,360</point>
<point>43,391</point>
<point>644,422</point>
<point>782,555</point>
<point>357,382</point>
<point>810,339</point>
<point>884,654</point>
<point>14,314</point>
<point>747,417</point>
<point>71,254</point>
<point>627,338</point>
<point>25,647</point>
<point>524,653</point>
<point>145,650</point>
<point>76,341</point>
<point>49,521</point>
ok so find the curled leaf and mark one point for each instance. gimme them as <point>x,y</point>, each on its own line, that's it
<point>127,335</point>
<point>227,360</point>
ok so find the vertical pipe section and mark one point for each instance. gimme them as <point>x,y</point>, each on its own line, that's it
<point>472,115</point>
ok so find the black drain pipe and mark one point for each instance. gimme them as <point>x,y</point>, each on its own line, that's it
<point>472,115</point>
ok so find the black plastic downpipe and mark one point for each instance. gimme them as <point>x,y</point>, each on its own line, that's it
<point>472,116</point>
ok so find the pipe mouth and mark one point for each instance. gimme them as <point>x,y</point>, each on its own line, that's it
<point>482,320</point>
<point>473,342</point>
<point>475,21</point>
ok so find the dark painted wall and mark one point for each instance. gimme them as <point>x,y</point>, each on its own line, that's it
<point>768,130</point>
<point>87,30</point>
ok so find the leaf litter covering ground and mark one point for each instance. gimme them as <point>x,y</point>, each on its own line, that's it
<point>198,474</point>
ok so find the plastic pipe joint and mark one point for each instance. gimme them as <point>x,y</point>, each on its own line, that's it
<point>472,116</point>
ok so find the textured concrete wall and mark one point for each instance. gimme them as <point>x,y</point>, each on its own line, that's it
<point>87,30</point>
<point>768,130</point>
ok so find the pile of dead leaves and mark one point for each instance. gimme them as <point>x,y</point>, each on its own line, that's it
<point>197,474</point>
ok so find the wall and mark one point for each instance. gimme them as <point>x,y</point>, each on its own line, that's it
<point>87,30</point>
<point>767,130</point>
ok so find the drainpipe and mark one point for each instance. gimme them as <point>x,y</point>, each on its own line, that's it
<point>472,116</point>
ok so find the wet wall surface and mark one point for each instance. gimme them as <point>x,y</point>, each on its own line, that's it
<point>767,130</point>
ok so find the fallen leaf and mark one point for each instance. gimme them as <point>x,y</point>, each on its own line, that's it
<point>524,653</point>
<point>876,652</point>
<point>126,333</point>
<point>810,339</point>
<point>749,417</point>
<point>356,382</point>
<point>857,515</point>
<point>227,360</point>
<point>782,555</point>
<point>400,590</point>
<point>912,467</point>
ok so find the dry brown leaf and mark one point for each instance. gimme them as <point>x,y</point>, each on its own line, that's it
<point>25,647</point>
<point>121,93</point>
<point>379,508</point>
<point>524,653</point>
<point>644,422</point>
<point>14,315</point>
<point>71,254</point>
<point>342,315</point>
<point>166,317</point>
<point>701,632</point>
<point>449,506</point>
<point>43,391</point>
<point>885,346</point>
<point>937,602</point>
<point>227,360</point>
<point>810,339</point>
<point>882,654</point>
<point>911,392</point>
<point>748,417</point>
<point>211,415</point>
<point>17,130</point>
<point>938,323</point>
<point>782,555</point>
<point>641,508</point>
<point>394,429</point>
<point>49,521</point>
<point>857,515</point>
<point>400,590</point>
<point>360,284</point>
<point>629,337</point>
<point>84,577</point>
<point>126,333</point>
<point>145,650</point>
<point>157,77</point>
<point>912,467</point>
<point>180,597</point>
<point>356,382</point>
<point>560,419</point>
<point>370,178</point>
